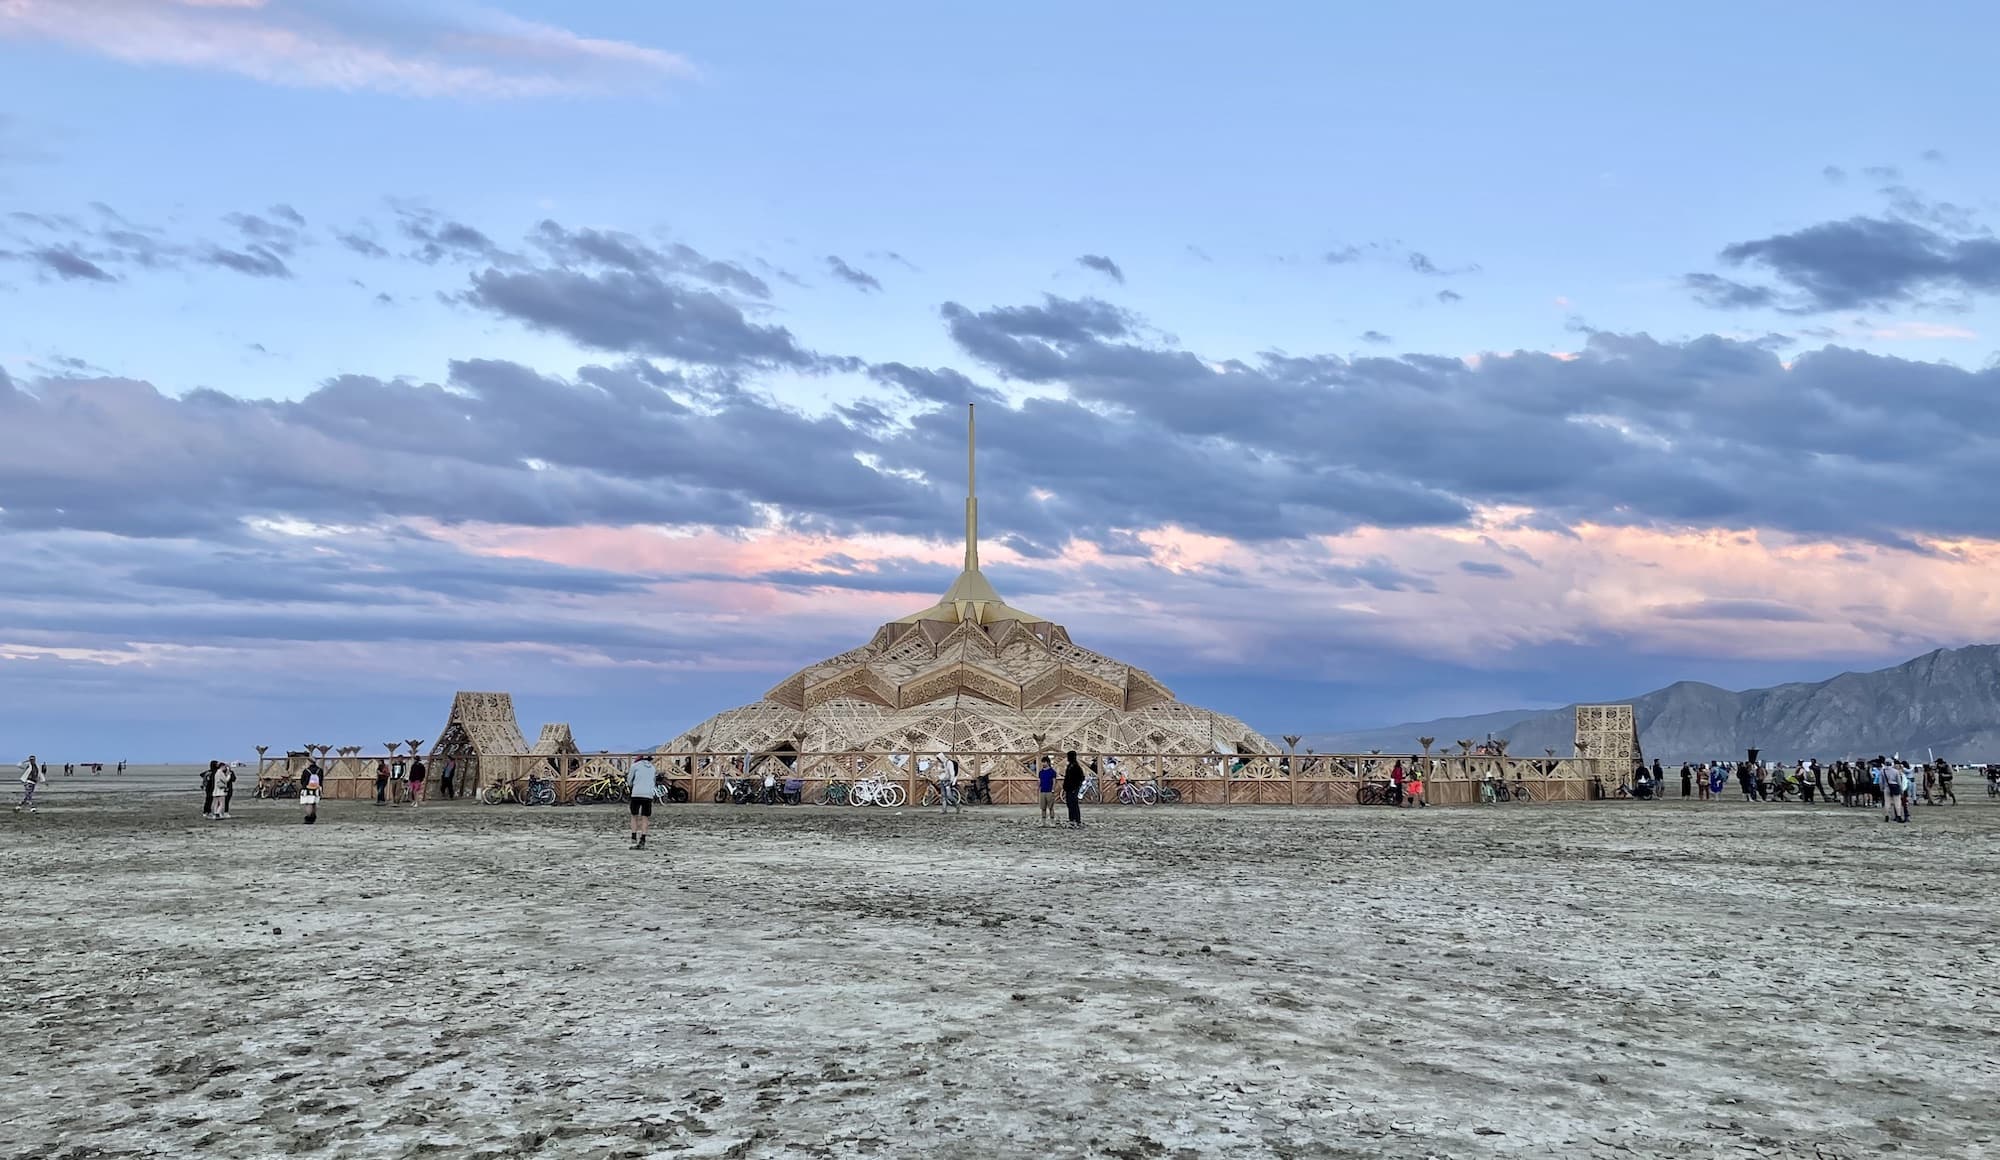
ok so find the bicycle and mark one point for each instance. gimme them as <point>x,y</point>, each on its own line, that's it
<point>540,792</point>
<point>876,791</point>
<point>939,793</point>
<point>834,793</point>
<point>608,788</point>
<point>1135,793</point>
<point>276,788</point>
<point>1375,793</point>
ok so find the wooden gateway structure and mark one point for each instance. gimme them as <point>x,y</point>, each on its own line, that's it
<point>1608,734</point>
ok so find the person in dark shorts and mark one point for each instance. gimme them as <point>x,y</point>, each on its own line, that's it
<point>642,785</point>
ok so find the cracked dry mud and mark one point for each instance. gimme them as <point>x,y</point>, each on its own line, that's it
<point>468,981</point>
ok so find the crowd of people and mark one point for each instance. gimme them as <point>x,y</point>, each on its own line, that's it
<point>1890,783</point>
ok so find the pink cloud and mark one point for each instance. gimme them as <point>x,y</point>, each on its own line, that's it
<point>425,50</point>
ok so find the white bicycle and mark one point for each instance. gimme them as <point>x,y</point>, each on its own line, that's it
<point>875,791</point>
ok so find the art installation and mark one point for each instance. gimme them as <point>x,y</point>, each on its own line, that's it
<point>971,674</point>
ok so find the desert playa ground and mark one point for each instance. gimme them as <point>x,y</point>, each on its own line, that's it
<point>1617,979</point>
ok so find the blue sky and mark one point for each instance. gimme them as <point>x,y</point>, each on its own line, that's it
<point>1525,191</point>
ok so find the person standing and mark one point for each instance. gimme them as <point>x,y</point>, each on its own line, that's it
<point>1892,795</point>
<point>32,776</point>
<point>208,789</point>
<point>381,781</point>
<point>1687,780</point>
<point>1413,788</point>
<point>218,800</point>
<point>642,785</point>
<point>1047,779</point>
<point>445,777</point>
<point>1073,790</point>
<point>1396,777</point>
<point>417,775</point>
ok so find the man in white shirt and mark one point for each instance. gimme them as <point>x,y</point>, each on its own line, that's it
<point>642,785</point>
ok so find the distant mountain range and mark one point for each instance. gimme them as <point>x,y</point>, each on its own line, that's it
<point>1947,702</point>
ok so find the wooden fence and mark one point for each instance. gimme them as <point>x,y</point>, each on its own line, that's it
<point>1247,779</point>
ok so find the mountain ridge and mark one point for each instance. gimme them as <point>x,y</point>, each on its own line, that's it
<point>1946,702</point>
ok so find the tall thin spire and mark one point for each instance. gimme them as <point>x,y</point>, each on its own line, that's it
<point>971,490</point>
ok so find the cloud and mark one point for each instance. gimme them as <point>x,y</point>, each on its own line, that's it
<point>1376,337</point>
<point>611,249</point>
<point>68,265</point>
<point>1769,610</point>
<point>1865,262</point>
<point>104,244</point>
<point>438,238</point>
<point>637,314</point>
<point>1102,265</point>
<point>425,49</point>
<point>1481,568</point>
<point>1449,296</point>
<point>1834,174</point>
<point>1720,293</point>
<point>858,279</point>
<point>1627,430</point>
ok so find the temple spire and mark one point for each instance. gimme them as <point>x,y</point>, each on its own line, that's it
<point>971,490</point>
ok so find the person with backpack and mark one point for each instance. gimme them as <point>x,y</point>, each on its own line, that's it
<point>32,776</point>
<point>309,790</point>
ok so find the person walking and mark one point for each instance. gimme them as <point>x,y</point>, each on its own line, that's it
<point>417,775</point>
<point>309,790</point>
<point>1891,782</point>
<point>381,781</point>
<point>1944,773</point>
<point>1413,788</point>
<point>642,785</point>
<point>32,776</point>
<point>948,785</point>
<point>1073,790</point>
<point>1046,776</point>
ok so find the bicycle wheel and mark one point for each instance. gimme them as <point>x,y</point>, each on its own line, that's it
<point>721,794</point>
<point>543,794</point>
<point>1128,796</point>
<point>493,795</point>
<point>1169,795</point>
<point>1148,795</point>
<point>930,798</point>
<point>891,795</point>
<point>835,794</point>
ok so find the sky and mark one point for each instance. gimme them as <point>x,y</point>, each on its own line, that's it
<point>1338,366</point>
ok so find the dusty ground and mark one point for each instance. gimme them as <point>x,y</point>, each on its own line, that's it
<point>1631,980</point>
